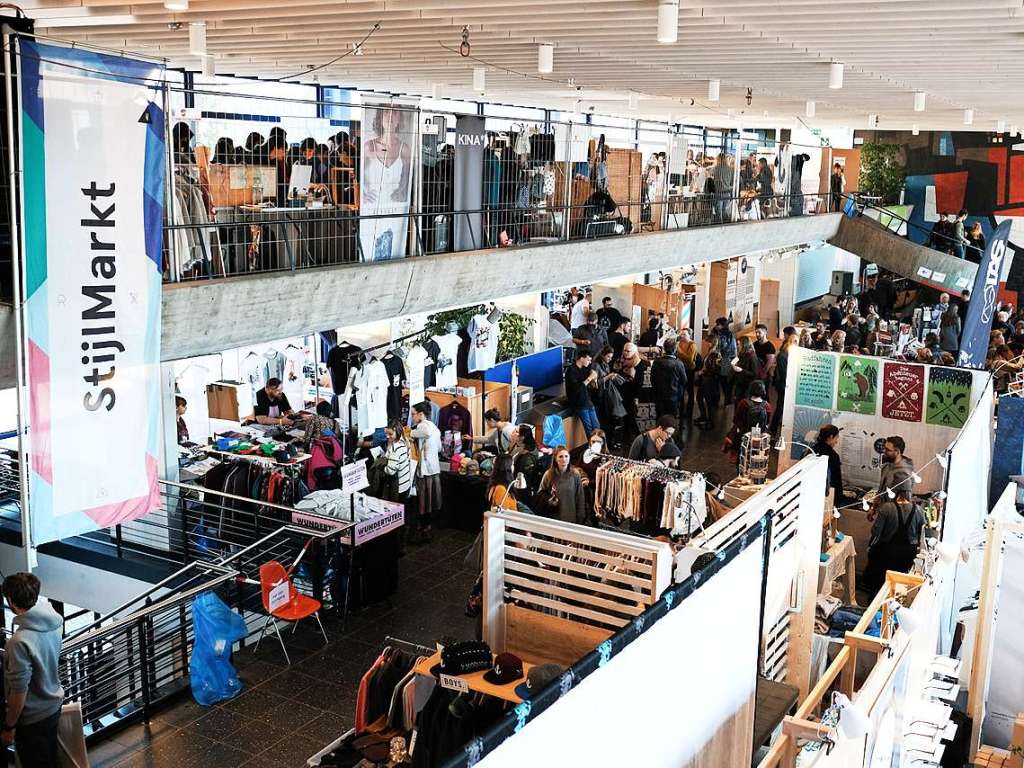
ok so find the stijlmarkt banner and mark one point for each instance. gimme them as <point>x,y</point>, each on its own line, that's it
<point>92,131</point>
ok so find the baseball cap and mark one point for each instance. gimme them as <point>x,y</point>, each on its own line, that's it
<point>537,679</point>
<point>507,669</point>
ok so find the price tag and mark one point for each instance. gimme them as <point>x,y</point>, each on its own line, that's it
<point>278,596</point>
<point>353,477</point>
<point>453,683</point>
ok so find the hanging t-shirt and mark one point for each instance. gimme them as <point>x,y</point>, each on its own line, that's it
<point>430,363</point>
<point>483,348</point>
<point>415,374</point>
<point>395,373</point>
<point>339,360</point>
<point>372,398</point>
<point>446,362</point>
<point>275,364</point>
<point>253,369</point>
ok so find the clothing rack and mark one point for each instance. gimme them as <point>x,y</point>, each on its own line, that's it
<point>386,344</point>
<point>659,471</point>
<point>389,640</point>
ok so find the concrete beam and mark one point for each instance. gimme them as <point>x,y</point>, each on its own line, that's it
<point>870,240</point>
<point>207,317</point>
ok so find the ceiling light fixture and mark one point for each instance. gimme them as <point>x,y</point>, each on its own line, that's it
<point>809,109</point>
<point>872,121</point>
<point>914,130</point>
<point>434,90</point>
<point>714,90</point>
<point>750,96</point>
<point>1013,130</point>
<point>197,38</point>
<point>479,80</point>
<point>357,49</point>
<point>968,116</point>
<point>835,75</point>
<point>919,99</point>
<point>634,101</point>
<point>668,21</point>
<point>1000,126</point>
<point>465,48</point>
<point>176,5</point>
<point>545,58</point>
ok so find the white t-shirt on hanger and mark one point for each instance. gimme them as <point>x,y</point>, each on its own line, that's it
<point>295,378</point>
<point>373,397</point>
<point>446,366</point>
<point>253,369</point>
<point>483,347</point>
<point>415,363</point>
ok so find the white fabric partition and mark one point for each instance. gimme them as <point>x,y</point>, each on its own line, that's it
<point>662,699</point>
<point>967,476</point>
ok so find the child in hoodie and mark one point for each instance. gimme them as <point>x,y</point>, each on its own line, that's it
<point>31,680</point>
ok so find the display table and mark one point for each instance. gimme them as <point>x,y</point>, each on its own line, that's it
<point>841,564</point>
<point>855,524</point>
<point>463,501</point>
<point>475,680</point>
<point>739,490</point>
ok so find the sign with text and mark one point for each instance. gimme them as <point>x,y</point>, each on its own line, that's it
<point>815,377</point>
<point>353,476</point>
<point>453,683</point>
<point>94,161</point>
<point>383,517</point>
<point>903,391</point>
<point>279,596</point>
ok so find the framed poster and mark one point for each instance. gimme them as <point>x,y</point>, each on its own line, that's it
<point>949,397</point>
<point>902,391</point>
<point>815,380</point>
<point>857,390</point>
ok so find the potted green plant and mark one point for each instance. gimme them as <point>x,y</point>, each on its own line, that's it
<point>881,172</point>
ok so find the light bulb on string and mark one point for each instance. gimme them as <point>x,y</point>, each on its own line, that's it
<point>865,505</point>
<point>942,459</point>
<point>890,493</point>
<point>916,478</point>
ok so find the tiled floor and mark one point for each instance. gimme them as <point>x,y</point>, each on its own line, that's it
<point>286,714</point>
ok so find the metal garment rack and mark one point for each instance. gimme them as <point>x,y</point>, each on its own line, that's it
<point>389,640</point>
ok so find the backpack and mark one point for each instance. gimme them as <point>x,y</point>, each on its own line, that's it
<point>757,414</point>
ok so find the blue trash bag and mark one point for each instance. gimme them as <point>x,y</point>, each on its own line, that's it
<point>554,431</point>
<point>217,628</point>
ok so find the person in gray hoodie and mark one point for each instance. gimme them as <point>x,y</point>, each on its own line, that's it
<point>31,681</point>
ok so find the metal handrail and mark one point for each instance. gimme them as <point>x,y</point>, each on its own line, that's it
<point>222,494</point>
<point>893,215</point>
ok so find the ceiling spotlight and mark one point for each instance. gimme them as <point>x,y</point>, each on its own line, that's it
<point>835,75</point>
<point>174,26</point>
<point>1000,126</point>
<point>176,5</point>
<point>714,89</point>
<point>750,96</point>
<point>968,116</point>
<point>919,98</point>
<point>197,38</point>
<point>465,47</point>
<point>914,130</point>
<point>668,21</point>
<point>809,109</point>
<point>545,58</point>
<point>634,100</point>
<point>357,49</point>
<point>479,80</point>
<point>872,121</point>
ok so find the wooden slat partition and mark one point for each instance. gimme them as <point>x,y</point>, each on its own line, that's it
<point>554,590</point>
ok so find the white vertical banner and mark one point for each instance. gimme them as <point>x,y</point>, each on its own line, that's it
<point>93,155</point>
<point>385,182</point>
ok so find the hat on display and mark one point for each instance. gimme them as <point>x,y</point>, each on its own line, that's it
<point>460,658</point>
<point>508,668</point>
<point>537,679</point>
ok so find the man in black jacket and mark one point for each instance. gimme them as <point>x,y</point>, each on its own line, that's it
<point>668,378</point>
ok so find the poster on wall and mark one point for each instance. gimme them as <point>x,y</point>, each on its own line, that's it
<point>806,423</point>
<point>949,397</point>
<point>857,391</point>
<point>902,391</point>
<point>815,379</point>
<point>385,181</point>
<point>94,161</point>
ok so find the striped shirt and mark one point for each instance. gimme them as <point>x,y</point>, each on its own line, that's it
<point>397,455</point>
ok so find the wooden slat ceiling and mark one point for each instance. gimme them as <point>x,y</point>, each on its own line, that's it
<point>962,53</point>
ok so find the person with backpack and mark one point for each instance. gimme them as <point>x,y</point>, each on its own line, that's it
<point>727,353</point>
<point>708,391</point>
<point>895,538</point>
<point>754,410</point>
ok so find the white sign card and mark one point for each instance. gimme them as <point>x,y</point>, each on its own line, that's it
<point>353,477</point>
<point>279,596</point>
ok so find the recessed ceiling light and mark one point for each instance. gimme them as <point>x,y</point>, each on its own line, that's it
<point>545,58</point>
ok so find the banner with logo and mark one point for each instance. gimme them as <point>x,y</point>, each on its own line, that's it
<point>470,142</point>
<point>385,184</point>
<point>984,300</point>
<point>94,163</point>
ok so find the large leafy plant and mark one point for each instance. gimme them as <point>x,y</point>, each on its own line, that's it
<point>512,328</point>
<point>881,171</point>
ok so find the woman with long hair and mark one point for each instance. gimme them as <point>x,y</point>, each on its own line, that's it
<point>561,493</point>
<point>499,491</point>
<point>949,330</point>
<point>708,390</point>
<point>397,468</point>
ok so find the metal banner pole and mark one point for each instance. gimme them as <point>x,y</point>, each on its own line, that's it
<point>17,249</point>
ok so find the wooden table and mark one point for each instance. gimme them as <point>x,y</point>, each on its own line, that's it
<point>772,702</point>
<point>476,682</point>
<point>841,564</point>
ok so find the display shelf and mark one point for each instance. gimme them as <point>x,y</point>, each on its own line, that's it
<point>475,680</point>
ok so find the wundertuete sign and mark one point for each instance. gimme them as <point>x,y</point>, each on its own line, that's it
<point>93,156</point>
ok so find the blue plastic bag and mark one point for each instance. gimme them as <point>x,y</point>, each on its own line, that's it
<point>217,628</point>
<point>554,431</point>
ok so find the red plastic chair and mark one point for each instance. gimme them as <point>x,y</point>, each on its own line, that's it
<point>298,607</point>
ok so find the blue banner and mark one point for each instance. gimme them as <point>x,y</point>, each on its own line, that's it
<point>984,302</point>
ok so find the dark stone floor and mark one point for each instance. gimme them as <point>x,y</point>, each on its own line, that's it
<point>287,714</point>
